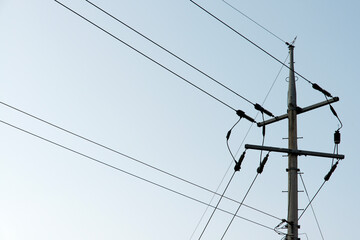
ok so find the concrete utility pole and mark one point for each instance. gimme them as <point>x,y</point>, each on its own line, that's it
<point>292,150</point>
<point>293,158</point>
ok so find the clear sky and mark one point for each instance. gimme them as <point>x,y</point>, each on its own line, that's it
<point>58,67</point>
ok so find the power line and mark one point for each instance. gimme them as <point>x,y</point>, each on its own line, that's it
<point>267,95</point>
<point>312,208</point>
<point>236,9</point>
<point>276,78</point>
<point>168,51</point>
<point>216,207</point>
<point>326,178</point>
<point>129,157</point>
<point>315,86</point>
<point>146,56</point>
<point>237,210</point>
<point>125,172</point>
<point>247,133</point>
<point>310,202</point>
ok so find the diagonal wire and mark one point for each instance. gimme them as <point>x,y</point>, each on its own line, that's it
<point>250,41</point>
<point>126,172</point>
<point>227,140</point>
<point>237,210</point>
<point>168,51</point>
<point>129,157</point>
<point>307,194</point>
<point>247,133</point>
<point>146,56</point>
<point>267,95</point>
<point>236,9</point>
<point>212,214</point>
<point>312,199</point>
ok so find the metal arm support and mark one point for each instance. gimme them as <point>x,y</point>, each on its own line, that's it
<point>299,111</point>
<point>297,152</point>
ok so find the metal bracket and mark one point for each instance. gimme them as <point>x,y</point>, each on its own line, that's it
<point>299,111</point>
<point>292,151</point>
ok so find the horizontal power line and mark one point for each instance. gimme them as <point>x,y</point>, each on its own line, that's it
<point>125,172</point>
<point>130,158</point>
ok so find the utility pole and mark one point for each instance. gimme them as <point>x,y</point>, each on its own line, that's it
<point>293,158</point>
<point>292,111</point>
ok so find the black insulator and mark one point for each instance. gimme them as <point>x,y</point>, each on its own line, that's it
<point>263,131</point>
<point>337,137</point>
<point>260,169</point>
<point>228,134</point>
<point>243,115</point>
<point>333,110</point>
<point>242,157</point>
<point>237,167</point>
<point>238,163</point>
<point>317,87</point>
<point>327,176</point>
<point>263,110</point>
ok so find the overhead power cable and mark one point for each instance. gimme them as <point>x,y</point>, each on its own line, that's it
<point>129,157</point>
<point>216,207</point>
<point>236,169</point>
<point>236,9</point>
<point>144,55</point>
<point>126,172</point>
<point>228,137</point>
<point>266,97</point>
<point>237,210</point>
<point>312,208</point>
<point>168,51</point>
<point>247,133</point>
<point>314,85</point>
<point>326,178</point>
<point>335,114</point>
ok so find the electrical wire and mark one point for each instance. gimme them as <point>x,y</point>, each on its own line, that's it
<point>236,9</point>
<point>213,212</point>
<point>312,208</point>
<point>263,138</point>
<point>125,172</point>
<point>257,114</point>
<point>326,178</point>
<point>236,168</point>
<point>129,157</point>
<point>227,140</point>
<point>250,41</point>
<point>334,112</point>
<point>312,200</point>
<point>237,210</point>
<point>168,51</point>
<point>146,56</point>
<point>241,144</point>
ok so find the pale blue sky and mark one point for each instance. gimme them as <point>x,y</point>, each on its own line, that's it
<point>58,67</point>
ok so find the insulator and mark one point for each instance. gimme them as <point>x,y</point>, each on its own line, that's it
<point>237,167</point>
<point>317,87</point>
<point>228,134</point>
<point>337,137</point>
<point>242,157</point>
<point>333,111</point>
<point>327,176</point>
<point>260,169</point>
<point>242,114</point>
<point>263,110</point>
<point>263,131</point>
<point>238,163</point>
